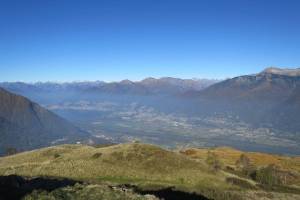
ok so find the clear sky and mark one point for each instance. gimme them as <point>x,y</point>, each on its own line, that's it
<point>66,40</point>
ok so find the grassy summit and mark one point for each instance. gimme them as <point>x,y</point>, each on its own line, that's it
<point>146,166</point>
<point>135,162</point>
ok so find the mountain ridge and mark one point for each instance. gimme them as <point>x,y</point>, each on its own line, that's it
<point>258,97</point>
<point>282,71</point>
<point>26,125</point>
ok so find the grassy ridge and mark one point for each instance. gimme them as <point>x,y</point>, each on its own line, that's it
<point>131,162</point>
<point>146,166</point>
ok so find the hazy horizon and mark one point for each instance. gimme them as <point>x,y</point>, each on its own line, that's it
<point>109,81</point>
<point>137,80</point>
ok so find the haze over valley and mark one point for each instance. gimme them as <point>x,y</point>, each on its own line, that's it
<point>175,113</point>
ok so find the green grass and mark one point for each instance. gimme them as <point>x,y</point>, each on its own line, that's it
<point>145,166</point>
<point>133,161</point>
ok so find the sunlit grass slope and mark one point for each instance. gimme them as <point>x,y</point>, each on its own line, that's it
<point>148,167</point>
<point>137,163</point>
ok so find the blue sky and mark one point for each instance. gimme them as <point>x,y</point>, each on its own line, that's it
<point>66,40</point>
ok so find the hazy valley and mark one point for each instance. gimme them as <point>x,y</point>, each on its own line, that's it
<point>175,113</point>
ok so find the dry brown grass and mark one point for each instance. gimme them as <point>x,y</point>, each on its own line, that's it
<point>229,156</point>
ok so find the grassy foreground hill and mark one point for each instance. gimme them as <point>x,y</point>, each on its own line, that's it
<point>139,168</point>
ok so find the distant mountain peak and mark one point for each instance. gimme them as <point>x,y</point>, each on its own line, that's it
<point>282,71</point>
<point>149,80</point>
<point>127,82</point>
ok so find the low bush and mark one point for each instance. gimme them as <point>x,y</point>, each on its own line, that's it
<point>56,155</point>
<point>240,182</point>
<point>97,155</point>
<point>213,161</point>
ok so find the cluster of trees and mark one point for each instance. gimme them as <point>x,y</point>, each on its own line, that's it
<point>270,175</point>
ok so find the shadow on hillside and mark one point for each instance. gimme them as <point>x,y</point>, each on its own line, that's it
<point>169,194</point>
<point>15,187</point>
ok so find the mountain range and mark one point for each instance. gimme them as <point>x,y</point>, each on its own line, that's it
<point>51,91</point>
<point>257,112</point>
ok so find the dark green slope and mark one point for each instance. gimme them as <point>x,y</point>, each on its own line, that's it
<point>26,125</point>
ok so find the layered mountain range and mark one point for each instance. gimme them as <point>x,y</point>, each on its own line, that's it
<point>46,91</point>
<point>252,112</point>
